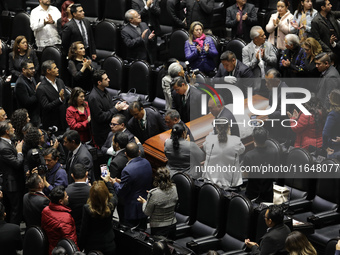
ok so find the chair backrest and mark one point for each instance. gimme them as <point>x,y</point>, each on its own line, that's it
<point>105,35</point>
<point>68,245</point>
<point>274,146</point>
<point>113,66</point>
<point>115,9</point>
<point>200,78</point>
<point>4,57</point>
<point>237,230</point>
<point>209,216</point>
<point>95,253</point>
<point>15,5</point>
<point>35,242</point>
<point>139,77</point>
<point>176,44</point>
<point>330,247</point>
<point>21,26</point>
<point>185,210</point>
<point>218,48</point>
<point>236,46</point>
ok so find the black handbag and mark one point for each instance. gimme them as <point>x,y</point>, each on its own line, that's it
<point>132,96</point>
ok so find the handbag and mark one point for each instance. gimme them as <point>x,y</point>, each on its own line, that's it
<point>132,96</point>
<point>281,194</point>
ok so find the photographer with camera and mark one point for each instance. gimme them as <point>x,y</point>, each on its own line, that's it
<point>49,139</point>
<point>35,200</point>
<point>56,174</point>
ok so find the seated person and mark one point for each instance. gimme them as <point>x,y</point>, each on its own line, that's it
<point>80,66</point>
<point>276,234</point>
<point>200,50</point>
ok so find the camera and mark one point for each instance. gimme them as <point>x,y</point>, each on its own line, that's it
<point>39,162</point>
<point>51,131</point>
<point>42,170</point>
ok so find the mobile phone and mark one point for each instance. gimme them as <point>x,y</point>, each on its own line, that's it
<point>103,169</point>
<point>253,121</point>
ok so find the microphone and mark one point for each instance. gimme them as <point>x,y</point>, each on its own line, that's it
<point>212,147</point>
<point>232,173</point>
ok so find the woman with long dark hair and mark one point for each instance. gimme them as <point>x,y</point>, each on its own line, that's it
<point>78,114</point>
<point>298,244</point>
<point>308,128</point>
<point>33,157</point>
<point>66,15</point>
<point>80,66</point>
<point>223,150</point>
<point>96,231</point>
<point>21,52</point>
<point>160,205</point>
<point>183,155</point>
<point>19,119</point>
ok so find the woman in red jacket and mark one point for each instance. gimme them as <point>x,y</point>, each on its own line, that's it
<point>308,128</point>
<point>78,114</point>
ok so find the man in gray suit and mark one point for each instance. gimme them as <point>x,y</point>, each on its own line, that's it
<point>329,78</point>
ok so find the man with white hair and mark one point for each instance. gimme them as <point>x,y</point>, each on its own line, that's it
<point>292,61</point>
<point>259,54</point>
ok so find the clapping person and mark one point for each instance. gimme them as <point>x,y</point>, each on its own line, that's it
<point>160,205</point>
<point>200,50</point>
<point>312,48</point>
<point>80,66</point>
<point>78,115</point>
<point>66,15</point>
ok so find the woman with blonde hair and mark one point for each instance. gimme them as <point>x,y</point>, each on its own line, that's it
<point>331,131</point>
<point>21,52</point>
<point>200,50</point>
<point>298,244</point>
<point>96,231</point>
<point>312,48</point>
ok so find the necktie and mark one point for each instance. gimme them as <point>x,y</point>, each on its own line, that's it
<point>139,30</point>
<point>183,99</point>
<point>142,124</point>
<point>86,45</point>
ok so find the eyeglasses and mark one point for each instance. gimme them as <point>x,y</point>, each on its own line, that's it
<point>114,124</point>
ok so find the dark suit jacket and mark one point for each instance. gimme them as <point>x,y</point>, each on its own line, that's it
<point>82,156</point>
<point>71,33</point>
<point>11,166</point>
<point>10,238</point>
<point>53,110</point>
<point>138,48</point>
<point>117,164</point>
<point>320,30</point>
<point>102,109</point>
<point>26,98</point>
<point>175,10</point>
<point>150,16</point>
<point>34,203</point>
<point>246,24</point>
<point>78,194</point>
<point>136,180</point>
<point>154,125</point>
<point>192,108</point>
<point>328,82</point>
<point>273,241</point>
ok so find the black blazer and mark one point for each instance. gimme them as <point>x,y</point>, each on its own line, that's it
<point>78,194</point>
<point>11,166</point>
<point>26,98</point>
<point>34,203</point>
<point>71,33</point>
<point>150,16</point>
<point>154,125</point>
<point>83,156</point>
<point>137,48</point>
<point>53,110</point>
<point>188,112</point>
<point>117,164</point>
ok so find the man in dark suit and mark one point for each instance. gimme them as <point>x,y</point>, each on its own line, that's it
<point>102,108</point>
<point>325,28</point>
<point>118,124</point>
<point>172,117</point>
<point>230,70</point>
<point>145,123</point>
<point>25,92</point>
<point>78,153</point>
<point>78,193</point>
<point>241,17</point>
<point>274,240</point>
<point>79,29</point>
<point>186,100</point>
<point>11,162</point>
<point>52,97</point>
<point>329,78</point>
<point>175,9</point>
<point>34,201</point>
<point>150,12</point>
<point>10,237</point>
<point>137,37</point>
<point>261,190</point>
<point>136,180</point>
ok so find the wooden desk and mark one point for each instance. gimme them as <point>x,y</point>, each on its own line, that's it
<point>200,128</point>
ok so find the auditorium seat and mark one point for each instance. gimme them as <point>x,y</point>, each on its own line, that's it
<point>209,217</point>
<point>21,26</point>
<point>4,58</point>
<point>115,11</point>
<point>105,34</point>
<point>139,77</point>
<point>35,242</point>
<point>236,45</point>
<point>113,65</point>
<point>176,44</point>
<point>68,245</point>
<point>158,95</point>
